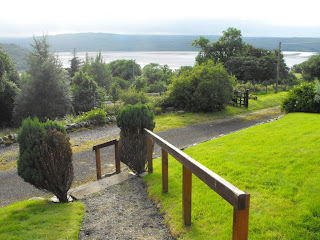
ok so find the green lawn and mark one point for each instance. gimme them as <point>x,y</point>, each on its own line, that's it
<point>174,120</point>
<point>278,163</point>
<point>41,219</point>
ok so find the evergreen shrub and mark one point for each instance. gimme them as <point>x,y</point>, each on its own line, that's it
<point>45,156</point>
<point>132,144</point>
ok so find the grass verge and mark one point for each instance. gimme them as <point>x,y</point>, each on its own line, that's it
<point>277,163</point>
<point>41,219</point>
<point>173,120</point>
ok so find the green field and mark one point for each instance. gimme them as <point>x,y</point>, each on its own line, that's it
<point>173,120</point>
<point>278,163</point>
<point>41,219</point>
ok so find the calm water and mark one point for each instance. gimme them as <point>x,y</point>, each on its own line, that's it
<point>174,59</point>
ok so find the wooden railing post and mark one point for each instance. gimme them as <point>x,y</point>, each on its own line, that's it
<point>116,155</point>
<point>241,221</point>
<point>247,98</point>
<point>98,163</point>
<point>149,146</point>
<point>186,196</point>
<point>164,170</point>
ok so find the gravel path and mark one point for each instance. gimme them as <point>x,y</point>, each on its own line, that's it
<point>13,188</point>
<point>123,212</point>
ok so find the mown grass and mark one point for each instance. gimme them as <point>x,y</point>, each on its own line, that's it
<point>278,163</point>
<point>173,120</point>
<point>41,219</point>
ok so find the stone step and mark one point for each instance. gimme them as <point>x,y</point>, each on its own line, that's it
<point>87,189</point>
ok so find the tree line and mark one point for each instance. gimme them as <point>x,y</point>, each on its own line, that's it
<point>49,91</point>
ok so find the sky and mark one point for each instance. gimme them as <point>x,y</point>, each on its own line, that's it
<point>272,18</point>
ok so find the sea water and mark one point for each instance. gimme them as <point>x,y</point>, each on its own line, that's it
<point>174,59</point>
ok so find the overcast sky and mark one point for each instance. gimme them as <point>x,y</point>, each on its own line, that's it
<point>277,18</point>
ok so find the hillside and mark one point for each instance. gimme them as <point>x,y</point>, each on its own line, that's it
<point>17,54</point>
<point>84,42</point>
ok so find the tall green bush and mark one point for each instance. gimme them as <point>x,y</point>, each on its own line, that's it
<point>55,164</point>
<point>8,88</point>
<point>45,156</point>
<point>30,137</point>
<point>132,97</point>
<point>207,87</point>
<point>132,144</point>
<point>302,98</point>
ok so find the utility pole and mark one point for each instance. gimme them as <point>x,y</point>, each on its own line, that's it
<point>278,67</point>
<point>133,69</point>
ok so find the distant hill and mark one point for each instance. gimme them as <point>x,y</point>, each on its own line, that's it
<point>86,42</point>
<point>17,54</point>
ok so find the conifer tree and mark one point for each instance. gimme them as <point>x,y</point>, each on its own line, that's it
<point>47,94</point>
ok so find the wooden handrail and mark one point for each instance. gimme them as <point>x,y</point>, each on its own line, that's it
<point>230,193</point>
<point>237,198</point>
<point>98,160</point>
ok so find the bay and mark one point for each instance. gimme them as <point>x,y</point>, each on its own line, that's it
<point>174,59</point>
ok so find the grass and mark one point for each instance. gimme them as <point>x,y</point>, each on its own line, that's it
<point>173,120</point>
<point>277,163</point>
<point>41,219</point>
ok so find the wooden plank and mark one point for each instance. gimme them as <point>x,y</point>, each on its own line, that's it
<point>164,171</point>
<point>116,156</point>
<point>241,222</point>
<point>150,165</point>
<point>106,144</point>
<point>186,196</point>
<point>98,163</point>
<point>229,192</point>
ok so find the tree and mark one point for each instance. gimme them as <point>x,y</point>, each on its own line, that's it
<point>208,87</point>
<point>152,72</point>
<point>228,45</point>
<point>311,68</point>
<point>7,67</point>
<point>47,95</point>
<point>140,83</point>
<point>125,69</point>
<point>98,70</point>
<point>114,92</point>
<point>8,89</point>
<point>168,74</point>
<point>86,93</point>
<point>257,64</point>
<point>252,69</point>
<point>75,64</point>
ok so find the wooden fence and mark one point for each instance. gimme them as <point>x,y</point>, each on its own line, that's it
<point>241,98</point>
<point>238,199</point>
<point>98,160</point>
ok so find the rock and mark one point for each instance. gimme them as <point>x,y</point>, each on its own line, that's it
<point>170,109</point>
<point>181,112</point>
<point>13,138</point>
<point>1,141</point>
<point>5,139</point>
<point>113,119</point>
